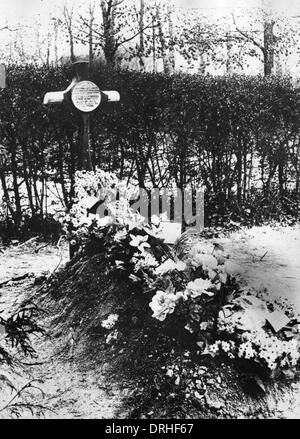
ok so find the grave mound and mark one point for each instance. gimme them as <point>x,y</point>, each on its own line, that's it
<point>174,329</point>
<point>103,322</point>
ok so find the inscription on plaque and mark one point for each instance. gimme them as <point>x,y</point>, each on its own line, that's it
<point>86,96</point>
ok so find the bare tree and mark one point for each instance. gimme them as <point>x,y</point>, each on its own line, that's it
<point>141,51</point>
<point>90,30</point>
<point>267,46</point>
<point>56,25</point>
<point>172,40</point>
<point>120,24</point>
<point>69,23</point>
<point>162,39</point>
<point>108,8</point>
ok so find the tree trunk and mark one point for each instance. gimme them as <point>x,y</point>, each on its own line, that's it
<point>55,43</point>
<point>162,40</point>
<point>14,168</point>
<point>91,41</point>
<point>171,44</point>
<point>142,42</point>
<point>72,54</point>
<point>239,165</point>
<point>281,168</point>
<point>68,15</point>
<point>6,194</point>
<point>109,46</point>
<point>269,42</point>
<point>153,48</point>
<point>229,69</point>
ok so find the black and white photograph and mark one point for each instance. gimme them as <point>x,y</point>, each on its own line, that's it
<point>149,212</point>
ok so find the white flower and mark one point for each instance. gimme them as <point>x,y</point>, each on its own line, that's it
<point>223,277</point>
<point>170,265</point>
<point>163,303</point>
<point>170,373</point>
<point>225,346</point>
<point>110,322</point>
<point>144,260</point>
<point>214,348</point>
<point>139,241</point>
<point>91,186</point>
<point>189,328</point>
<point>211,274</point>
<point>198,287</point>
<point>246,350</point>
<point>202,247</point>
<point>105,221</point>
<point>231,268</point>
<point>120,235</point>
<point>119,264</point>
<point>204,326</point>
<point>180,266</point>
<point>207,262</point>
<point>155,220</point>
<point>112,336</point>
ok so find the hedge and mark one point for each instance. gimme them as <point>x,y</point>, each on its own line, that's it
<point>236,135</point>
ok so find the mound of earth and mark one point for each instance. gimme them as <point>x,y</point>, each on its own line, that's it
<point>158,371</point>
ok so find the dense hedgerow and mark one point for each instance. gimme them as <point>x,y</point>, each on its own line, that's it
<point>237,135</point>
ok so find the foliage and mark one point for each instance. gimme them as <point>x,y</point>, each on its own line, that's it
<point>245,332</point>
<point>199,293</point>
<point>237,136</point>
<point>15,332</point>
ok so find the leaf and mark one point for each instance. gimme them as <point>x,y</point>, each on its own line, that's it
<point>259,383</point>
<point>201,344</point>
<point>288,333</point>
<point>134,278</point>
<point>227,311</point>
<point>7,381</point>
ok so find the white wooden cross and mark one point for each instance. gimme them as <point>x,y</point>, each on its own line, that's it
<point>83,96</point>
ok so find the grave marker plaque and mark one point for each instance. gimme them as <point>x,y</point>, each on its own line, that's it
<point>86,96</point>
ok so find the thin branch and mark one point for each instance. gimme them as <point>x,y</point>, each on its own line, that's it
<point>9,29</point>
<point>135,35</point>
<point>99,34</point>
<point>245,35</point>
<point>26,386</point>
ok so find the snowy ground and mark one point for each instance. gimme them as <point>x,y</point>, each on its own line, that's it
<point>68,391</point>
<point>269,257</point>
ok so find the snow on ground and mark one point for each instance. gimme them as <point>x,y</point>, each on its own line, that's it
<point>68,391</point>
<point>269,258</point>
<point>31,258</point>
